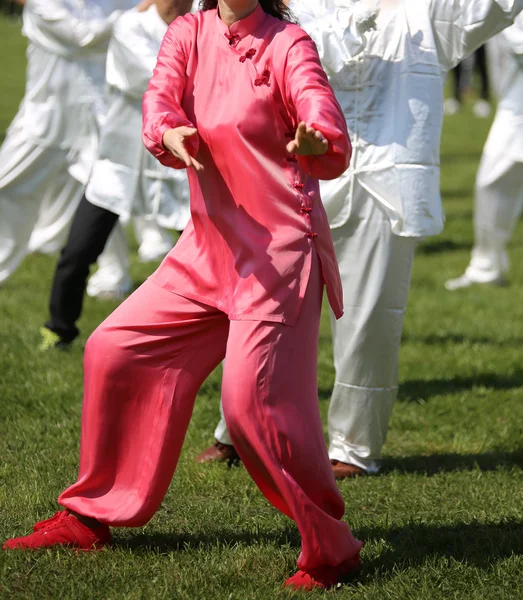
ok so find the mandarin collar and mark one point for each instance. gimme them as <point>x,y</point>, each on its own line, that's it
<point>243,27</point>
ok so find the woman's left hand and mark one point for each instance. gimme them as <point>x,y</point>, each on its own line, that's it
<point>308,142</point>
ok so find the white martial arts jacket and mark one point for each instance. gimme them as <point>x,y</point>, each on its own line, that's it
<point>126,178</point>
<point>392,94</point>
<point>506,134</point>
<point>63,102</point>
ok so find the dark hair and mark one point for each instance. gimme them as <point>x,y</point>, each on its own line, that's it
<point>276,8</point>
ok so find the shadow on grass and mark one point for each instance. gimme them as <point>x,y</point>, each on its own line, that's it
<point>475,544</point>
<point>165,542</point>
<point>419,390</point>
<point>454,193</point>
<point>443,339</point>
<point>447,463</point>
<point>406,546</point>
<point>438,246</point>
<point>450,157</point>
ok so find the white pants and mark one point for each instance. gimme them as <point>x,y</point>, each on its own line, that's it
<point>375,267</point>
<point>498,205</point>
<point>54,218</point>
<point>33,177</point>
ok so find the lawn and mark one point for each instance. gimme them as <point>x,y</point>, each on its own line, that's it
<point>444,519</point>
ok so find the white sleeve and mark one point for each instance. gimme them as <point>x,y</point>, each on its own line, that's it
<point>53,20</point>
<point>131,57</point>
<point>461,26</point>
<point>338,32</point>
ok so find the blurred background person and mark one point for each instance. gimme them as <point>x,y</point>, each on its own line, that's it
<point>51,144</point>
<point>14,6</point>
<point>157,197</point>
<point>499,182</point>
<point>462,83</point>
<point>126,179</point>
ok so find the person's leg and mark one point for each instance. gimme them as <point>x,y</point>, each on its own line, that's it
<point>220,433</point>
<point>270,403</point>
<point>89,232</point>
<point>497,209</point>
<point>481,66</point>
<point>498,206</point>
<point>452,104</point>
<point>26,171</point>
<point>482,106</point>
<point>57,209</point>
<point>112,279</point>
<point>457,81</point>
<point>375,267</point>
<point>143,368</point>
<point>223,449</point>
<point>465,79</point>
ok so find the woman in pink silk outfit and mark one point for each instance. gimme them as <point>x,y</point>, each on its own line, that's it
<point>240,99</point>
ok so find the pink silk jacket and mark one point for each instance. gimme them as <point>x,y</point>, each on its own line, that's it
<point>256,211</point>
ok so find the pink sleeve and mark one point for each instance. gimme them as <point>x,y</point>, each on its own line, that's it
<point>308,90</point>
<point>162,108</point>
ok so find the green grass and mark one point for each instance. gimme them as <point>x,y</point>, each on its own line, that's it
<point>443,520</point>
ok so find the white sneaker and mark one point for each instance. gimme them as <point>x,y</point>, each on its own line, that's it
<point>481,109</point>
<point>451,106</point>
<point>466,281</point>
<point>153,252</point>
<point>108,284</point>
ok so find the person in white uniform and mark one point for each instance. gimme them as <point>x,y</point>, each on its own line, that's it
<point>499,181</point>
<point>389,198</point>
<point>52,141</point>
<point>126,179</point>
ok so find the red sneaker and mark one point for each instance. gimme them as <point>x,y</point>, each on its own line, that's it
<point>43,524</point>
<point>62,529</point>
<point>324,577</point>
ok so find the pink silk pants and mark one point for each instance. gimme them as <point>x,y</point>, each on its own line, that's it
<point>143,368</point>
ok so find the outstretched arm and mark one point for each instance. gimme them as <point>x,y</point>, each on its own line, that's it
<point>54,19</point>
<point>311,99</point>
<point>461,26</point>
<point>162,102</point>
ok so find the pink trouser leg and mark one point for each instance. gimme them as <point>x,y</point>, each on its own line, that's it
<point>271,408</point>
<point>143,368</point>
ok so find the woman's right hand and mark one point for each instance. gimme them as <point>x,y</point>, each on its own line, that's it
<point>174,141</point>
